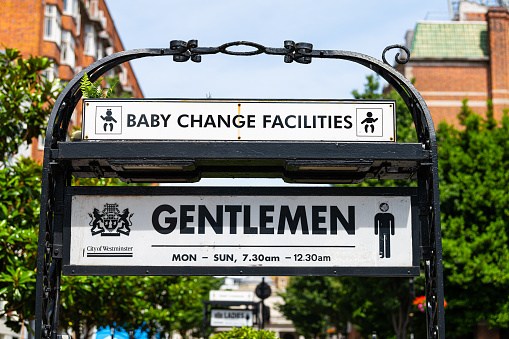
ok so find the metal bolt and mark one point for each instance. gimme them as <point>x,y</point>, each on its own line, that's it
<point>178,45</point>
<point>192,43</point>
<point>289,44</point>
<point>304,47</point>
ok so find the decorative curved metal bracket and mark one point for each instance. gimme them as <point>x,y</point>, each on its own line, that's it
<point>55,176</point>
<point>396,58</point>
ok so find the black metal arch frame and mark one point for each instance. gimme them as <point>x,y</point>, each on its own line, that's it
<point>56,174</point>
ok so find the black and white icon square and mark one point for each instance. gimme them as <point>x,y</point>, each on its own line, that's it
<point>369,122</point>
<point>108,120</point>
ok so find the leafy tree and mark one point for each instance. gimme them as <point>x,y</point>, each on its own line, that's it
<point>25,104</point>
<point>26,99</point>
<point>474,180</point>
<point>19,213</point>
<point>309,302</point>
<point>177,303</point>
<point>377,304</point>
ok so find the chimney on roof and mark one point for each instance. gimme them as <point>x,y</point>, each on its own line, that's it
<point>498,46</point>
<point>471,11</point>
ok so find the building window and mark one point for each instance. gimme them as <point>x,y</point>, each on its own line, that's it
<point>71,7</point>
<point>100,52</point>
<point>78,22</point>
<point>122,76</point>
<point>90,41</point>
<point>51,73</point>
<point>52,24</point>
<point>68,57</point>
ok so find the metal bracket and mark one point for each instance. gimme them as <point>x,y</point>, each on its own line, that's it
<point>426,252</point>
<point>57,251</point>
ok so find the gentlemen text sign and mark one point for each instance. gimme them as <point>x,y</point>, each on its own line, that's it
<point>229,231</point>
<point>228,120</point>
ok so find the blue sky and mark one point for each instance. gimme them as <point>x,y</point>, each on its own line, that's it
<point>352,25</point>
<point>362,26</point>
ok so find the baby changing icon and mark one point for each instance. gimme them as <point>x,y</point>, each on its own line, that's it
<point>369,122</point>
<point>108,120</point>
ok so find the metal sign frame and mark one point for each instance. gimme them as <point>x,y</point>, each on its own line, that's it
<point>64,159</point>
<point>230,269</point>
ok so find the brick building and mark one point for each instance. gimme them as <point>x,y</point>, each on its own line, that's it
<point>73,33</point>
<point>467,57</point>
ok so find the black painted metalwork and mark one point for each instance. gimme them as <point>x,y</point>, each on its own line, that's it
<point>59,165</point>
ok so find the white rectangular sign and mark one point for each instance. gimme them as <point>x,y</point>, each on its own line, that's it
<point>231,318</point>
<point>267,230</point>
<point>215,295</point>
<point>244,120</point>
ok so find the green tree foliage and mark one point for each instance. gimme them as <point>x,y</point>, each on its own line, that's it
<point>128,302</point>
<point>245,333</point>
<point>157,305</point>
<point>474,196</point>
<point>176,304</point>
<point>25,104</point>
<point>26,99</point>
<point>474,184</point>
<point>20,187</point>
<point>377,304</point>
<point>94,89</point>
<point>309,302</point>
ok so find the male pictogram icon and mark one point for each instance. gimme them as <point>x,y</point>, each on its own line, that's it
<point>369,121</point>
<point>384,223</point>
<point>108,118</point>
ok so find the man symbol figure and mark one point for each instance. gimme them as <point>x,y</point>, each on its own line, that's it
<point>108,118</point>
<point>384,223</point>
<point>369,122</point>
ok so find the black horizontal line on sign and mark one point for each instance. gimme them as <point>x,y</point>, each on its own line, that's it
<point>109,254</point>
<point>261,246</point>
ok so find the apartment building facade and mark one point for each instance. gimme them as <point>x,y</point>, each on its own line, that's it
<point>465,58</point>
<point>72,33</point>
